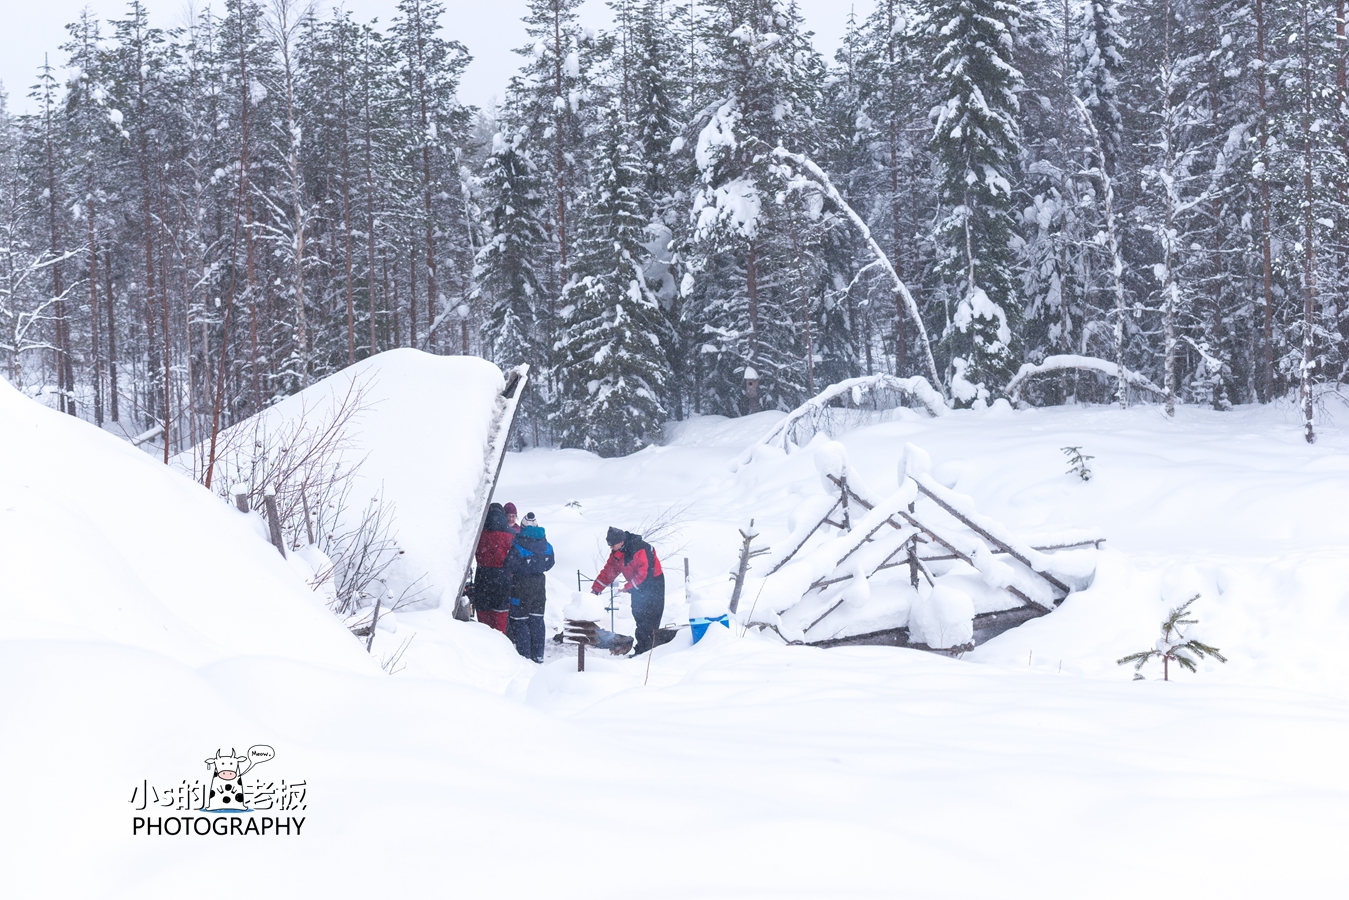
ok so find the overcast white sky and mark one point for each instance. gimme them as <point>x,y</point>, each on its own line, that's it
<point>489,28</point>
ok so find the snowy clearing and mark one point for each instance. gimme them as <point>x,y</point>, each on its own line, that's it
<point>146,624</point>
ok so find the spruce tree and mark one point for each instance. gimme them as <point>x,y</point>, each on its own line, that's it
<point>506,272</point>
<point>610,365</point>
<point>749,307</point>
<point>1099,58</point>
<point>977,140</point>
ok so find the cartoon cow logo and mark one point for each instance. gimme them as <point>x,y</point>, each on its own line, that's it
<point>227,786</point>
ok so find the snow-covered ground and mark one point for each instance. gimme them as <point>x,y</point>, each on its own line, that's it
<point>144,624</point>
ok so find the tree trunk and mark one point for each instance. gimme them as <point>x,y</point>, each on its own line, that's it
<point>1266,251</point>
<point>112,337</point>
<point>1309,233</point>
<point>751,386</point>
<point>93,307</point>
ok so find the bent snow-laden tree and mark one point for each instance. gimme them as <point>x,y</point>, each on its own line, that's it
<point>828,411</point>
<point>1073,361</point>
<point>819,180</point>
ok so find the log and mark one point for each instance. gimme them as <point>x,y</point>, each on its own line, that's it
<point>820,617</point>
<point>791,553</point>
<point>964,520</point>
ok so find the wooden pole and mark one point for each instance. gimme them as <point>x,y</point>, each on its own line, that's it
<point>274,521</point>
<point>745,555</point>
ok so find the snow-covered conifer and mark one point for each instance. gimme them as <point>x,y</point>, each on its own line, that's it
<point>977,140</point>
<point>609,361</point>
<point>766,77</point>
<point>507,265</point>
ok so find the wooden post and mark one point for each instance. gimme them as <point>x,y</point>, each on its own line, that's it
<point>580,633</point>
<point>374,621</point>
<point>847,518</point>
<point>746,555</point>
<point>274,520</point>
<point>308,523</point>
<point>240,497</point>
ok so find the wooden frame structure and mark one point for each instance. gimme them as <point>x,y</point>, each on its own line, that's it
<point>901,534</point>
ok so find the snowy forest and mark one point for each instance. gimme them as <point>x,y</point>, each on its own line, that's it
<point>694,211</point>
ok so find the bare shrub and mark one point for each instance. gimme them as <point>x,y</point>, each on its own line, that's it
<point>362,556</point>
<point>303,459</point>
<point>307,461</point>
<point>393,663</point>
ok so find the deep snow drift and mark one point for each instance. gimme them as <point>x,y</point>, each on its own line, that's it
<point>144,624</point>
<point>418,424</point>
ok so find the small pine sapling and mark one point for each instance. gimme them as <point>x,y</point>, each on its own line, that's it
<point>1174,645</point>
<point>1077,462</point>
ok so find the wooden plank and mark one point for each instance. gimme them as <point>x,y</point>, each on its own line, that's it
<point>511,392</point>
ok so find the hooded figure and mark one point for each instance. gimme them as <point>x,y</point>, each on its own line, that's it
<point>492,583</point>
<point>636,561</point>
<point>530,556</point>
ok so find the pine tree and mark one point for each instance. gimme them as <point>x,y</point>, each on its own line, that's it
<point>1099,58</point>
<point>46,154</point>
<point>654,113</point>
<point>93,127</point>
<point>550,95</point>
<point>430,69</point>
<point>977,139</point>
<point>609,359</point>
<point>1314,162</point>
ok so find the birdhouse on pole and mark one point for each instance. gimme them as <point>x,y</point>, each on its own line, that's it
<point>752,388</point>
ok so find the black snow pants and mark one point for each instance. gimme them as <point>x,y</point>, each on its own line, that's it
<point>648,606</point>
<point>526,623</point>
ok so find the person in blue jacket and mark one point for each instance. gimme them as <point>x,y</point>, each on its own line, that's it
<point>529,557</point>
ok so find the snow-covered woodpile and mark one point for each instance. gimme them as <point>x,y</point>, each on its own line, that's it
<point>921,566</point>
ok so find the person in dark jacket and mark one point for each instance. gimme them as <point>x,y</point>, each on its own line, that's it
<point>492,583</point>
<point>511,515</point>
<point>635,560</point>
<point>530,556</point>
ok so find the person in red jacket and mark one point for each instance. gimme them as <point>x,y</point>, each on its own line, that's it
<point>636,561</point>
<point>492,583</point>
